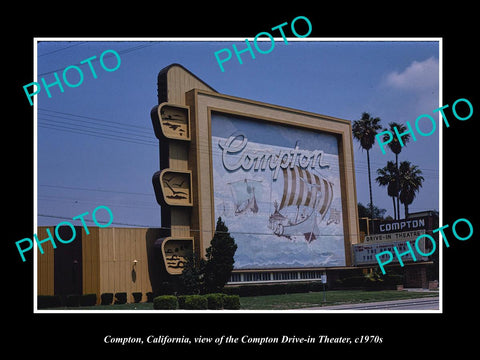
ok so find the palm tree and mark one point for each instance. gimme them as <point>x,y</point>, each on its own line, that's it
<point>410,183</point>
<point>387,176</point>
<point>364,130</point>
<point>396,148</point>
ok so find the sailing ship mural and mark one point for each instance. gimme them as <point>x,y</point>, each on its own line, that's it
<point>278,190</point>
<point>309,196</point>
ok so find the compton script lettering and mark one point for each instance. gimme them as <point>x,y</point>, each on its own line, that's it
<point>260,159</point>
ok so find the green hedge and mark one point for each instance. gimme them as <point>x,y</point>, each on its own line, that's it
<point>165,302</point>
<point>88,300</point>
<point>353,281</point>
<point>120,298</point>
<point>274,289</point>
<point>214,301</point>
<point>231,302</point>
<point>387,282</point>
<point>181,301</point>
<point>106,298</point>
<point>48,301</point>
<point>196,302</point>
<point>72,301</point>
<point>137,296</point>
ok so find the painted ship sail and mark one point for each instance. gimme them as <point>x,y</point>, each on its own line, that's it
<point>305,196</point>
<point>244,200</point>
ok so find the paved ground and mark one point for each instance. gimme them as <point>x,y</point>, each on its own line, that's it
<point>429,303</point>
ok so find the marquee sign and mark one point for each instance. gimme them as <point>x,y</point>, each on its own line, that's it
<point>385,227</point>
<point>404,236</point>
<point>364,254</point>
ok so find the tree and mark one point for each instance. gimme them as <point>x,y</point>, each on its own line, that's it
<point>388,176</point>
<point>410,183</point>
<point>219,258</point>
<point>364,211</point>
<point>192,277</point>
<point>396,148</point>
<point>364,130</point>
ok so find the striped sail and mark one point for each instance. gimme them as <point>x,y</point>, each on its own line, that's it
<point>303,188</point>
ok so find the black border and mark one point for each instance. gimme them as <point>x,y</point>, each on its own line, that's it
<point>65,334</point>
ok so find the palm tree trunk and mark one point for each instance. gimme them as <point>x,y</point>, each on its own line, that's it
<point>398,188</point>
<point>370,185</point>
<point>394,209</point>
<point>406,211</point>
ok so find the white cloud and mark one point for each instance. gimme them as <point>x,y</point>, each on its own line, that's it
<point>413,90</point>
<point>418,76</point>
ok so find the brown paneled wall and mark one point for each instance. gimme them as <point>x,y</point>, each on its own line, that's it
<point>45,263</point>
<point>123,261</point>
<point>113,260</point>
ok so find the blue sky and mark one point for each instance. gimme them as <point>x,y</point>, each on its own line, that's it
<point>285,136</point>
<point>96,145</point>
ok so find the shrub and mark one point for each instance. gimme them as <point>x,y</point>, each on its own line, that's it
<point>354,281</point>
<point>192,277</point>
<point>88,300</point>
<point>294,288</point>
<point>271,289</point>
<point>181,301</point>
<point>72,300</point>
<point>219,258</point>
<point>48,301</point>
<point>317,286</point>
<point>166,302</point>
<point>106,298</point>
<point>196,302</point>
<point>120,298</point>
<point>165,288</point>
<point>231,302</point>
<point>137,297</point>
<point>214,301</point>
<point>393,280</point>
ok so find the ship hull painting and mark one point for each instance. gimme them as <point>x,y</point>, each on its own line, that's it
<point>307,197</point>
<point>278,191</point>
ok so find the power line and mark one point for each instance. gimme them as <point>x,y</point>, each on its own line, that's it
<point>97,134</point>
<point>136,133</point>
<point>108,131</point>
<point>84,123</point>
<point>97,119</point>
<point>134,48</point>
<point>61,49</point>
<point>96,201</point>
<point>154,143</point>
<point>360,166</point>
<point>91,189</point>
<point>191,230</point>
<point>115,223</point>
